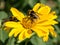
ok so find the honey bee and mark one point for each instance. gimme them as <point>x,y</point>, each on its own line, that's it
<point>10,19</point>
<point>13,19</point>
<point>32,15</point>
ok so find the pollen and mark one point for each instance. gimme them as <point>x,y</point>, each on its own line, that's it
<point>27,23</point>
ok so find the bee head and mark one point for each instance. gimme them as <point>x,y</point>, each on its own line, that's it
<point>30,12</point>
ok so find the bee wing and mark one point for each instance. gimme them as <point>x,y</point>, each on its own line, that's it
<point>38,15</point>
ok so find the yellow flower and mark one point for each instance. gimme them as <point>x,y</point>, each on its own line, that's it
<point>40,22</point>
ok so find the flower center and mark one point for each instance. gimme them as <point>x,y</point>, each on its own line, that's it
<point>28,22</point>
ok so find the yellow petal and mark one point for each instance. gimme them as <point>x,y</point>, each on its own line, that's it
<point>47,17</point>
<point>12,32</point>
<point>36,7</point>
<point>13,24</point>
<point>44,10</point>
<point>42,28</point>
<point>41,31</point>
<point>50,22</point>
<point>45,38</point>
<point>52,16</point>
<point>18,31</point>
<point>51,29</point>
<point>22,35</point>
<point>28,33</point>
<point>19,15</point>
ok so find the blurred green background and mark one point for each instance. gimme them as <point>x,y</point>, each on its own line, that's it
<point>24,6</point>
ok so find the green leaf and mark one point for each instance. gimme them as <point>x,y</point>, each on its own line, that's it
<point>25,3</point>
<point>37,41</point>
<point>0,22</point>
<point>3,35</point>
<point>32,2</point>
<point>43,1</point>
<point>11,41</point>
<point>3,15</point>
<point>58,19</point>
<point>49,42</point>
<point>57,29</point>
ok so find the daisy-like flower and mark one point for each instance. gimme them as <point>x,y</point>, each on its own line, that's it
<point>39,20</point>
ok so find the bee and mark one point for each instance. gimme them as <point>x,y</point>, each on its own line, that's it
<point>10,19</point>
<point>32,15</point>
<point>13,19</point>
